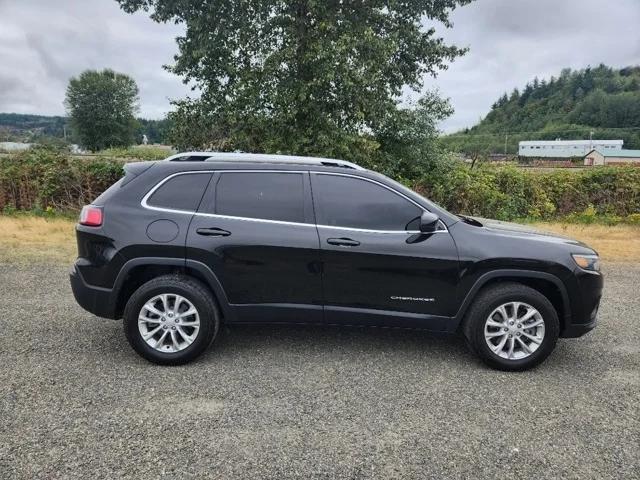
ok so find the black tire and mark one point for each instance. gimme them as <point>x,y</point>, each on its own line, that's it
<point>189,288</point>
<point>491,298</point>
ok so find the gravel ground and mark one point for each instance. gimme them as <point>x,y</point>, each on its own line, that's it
<point>275,402</point>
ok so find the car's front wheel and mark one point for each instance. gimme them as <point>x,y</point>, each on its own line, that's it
<point>512,327</point>
<point>171,319</point>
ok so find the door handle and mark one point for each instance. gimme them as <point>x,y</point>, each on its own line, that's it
<point>343,242</point>
<point>213,232</point>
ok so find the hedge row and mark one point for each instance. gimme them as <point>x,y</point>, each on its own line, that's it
<point>40,179</point>
<point>44,179</point>
<point>508,192</point>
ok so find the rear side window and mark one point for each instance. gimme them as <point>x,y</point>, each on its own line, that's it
<point>354,203</point>
<point>261,195</point>
<point>182,192</point>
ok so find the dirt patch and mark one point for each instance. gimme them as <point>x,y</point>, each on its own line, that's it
<point>35,239</point>
<point>618,243</point>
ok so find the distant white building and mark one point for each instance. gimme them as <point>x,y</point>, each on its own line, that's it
<point>76,149</point>
<point>14,146</point>
<point>565,148</point>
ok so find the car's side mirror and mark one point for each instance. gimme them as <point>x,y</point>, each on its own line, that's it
<point>428,222</point>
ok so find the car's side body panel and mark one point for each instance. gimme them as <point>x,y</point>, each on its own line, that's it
<point>269,269</point>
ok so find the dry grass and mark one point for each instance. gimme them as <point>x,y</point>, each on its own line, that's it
<point>618,243</point>
<point>35,239</point>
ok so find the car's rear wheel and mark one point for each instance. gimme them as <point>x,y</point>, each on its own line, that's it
<point>512,327</point>
<point>171,319</point>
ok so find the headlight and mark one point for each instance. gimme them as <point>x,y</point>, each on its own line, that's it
<point>590,263</point>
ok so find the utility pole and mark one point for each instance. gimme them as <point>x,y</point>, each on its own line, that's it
<point>506,137</point>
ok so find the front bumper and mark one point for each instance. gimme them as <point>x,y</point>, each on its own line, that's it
<point>96,300</point>
<point>579,329</point>
<point>585,291</point>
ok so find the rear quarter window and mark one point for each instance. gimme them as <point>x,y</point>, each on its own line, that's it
<point>182,192</point>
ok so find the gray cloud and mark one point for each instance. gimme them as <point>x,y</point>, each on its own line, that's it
<point>47,60</point>
<point>44,43</point>
<point>512,41</point>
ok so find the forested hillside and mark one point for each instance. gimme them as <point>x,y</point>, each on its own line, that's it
<point>16,126</point>
<point>28,128</point>
<point>570,106</point>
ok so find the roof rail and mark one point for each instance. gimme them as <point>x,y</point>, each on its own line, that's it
<point>260,158</point>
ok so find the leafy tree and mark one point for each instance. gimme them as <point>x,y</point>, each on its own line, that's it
<point>408,140</point>
<point>102,107</point>
<point>300,76</point>
<point>155,130</point>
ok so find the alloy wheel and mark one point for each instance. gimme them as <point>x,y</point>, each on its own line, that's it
<point>168,323</point>
<point>514,330</point>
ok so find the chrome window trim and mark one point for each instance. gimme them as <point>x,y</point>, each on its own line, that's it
<point>366,230</point>
<point>249,219</point>
<point>145,204</point>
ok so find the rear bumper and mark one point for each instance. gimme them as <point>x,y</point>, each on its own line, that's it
<point>96,300</point>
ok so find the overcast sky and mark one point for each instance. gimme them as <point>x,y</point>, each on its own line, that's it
<point>43,43</point>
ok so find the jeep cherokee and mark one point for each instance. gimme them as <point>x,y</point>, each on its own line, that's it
<point>178,247</point>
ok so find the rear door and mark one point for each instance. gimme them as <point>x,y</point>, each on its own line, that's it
<point>378,268</point>
<point>256,231</point>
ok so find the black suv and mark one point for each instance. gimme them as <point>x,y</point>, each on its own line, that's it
<point>180,246</point>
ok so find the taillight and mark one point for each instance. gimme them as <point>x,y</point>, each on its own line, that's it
<point>91,216</point>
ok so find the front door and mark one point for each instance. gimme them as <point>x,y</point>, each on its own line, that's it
<point>256,231</point>
<point>377,267</point>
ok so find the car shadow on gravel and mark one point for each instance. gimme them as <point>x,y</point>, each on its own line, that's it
<point>242,340</point>
<point>272,342</point>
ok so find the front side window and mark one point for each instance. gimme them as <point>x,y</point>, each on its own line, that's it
<point>261,195</point>
<point>351,202</point>
<point>182,192</point>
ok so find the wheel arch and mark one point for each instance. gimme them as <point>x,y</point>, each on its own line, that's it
<point>138,271</point>
<point>547,284</point>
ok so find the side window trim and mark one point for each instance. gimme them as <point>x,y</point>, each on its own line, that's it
<point>443,229</point>
<point>149,194</point>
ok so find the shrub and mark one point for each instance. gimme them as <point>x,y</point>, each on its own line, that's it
<point>633,219</point>
<point>39,178</point>
<point>508,193</point>
<point>140,152</point>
